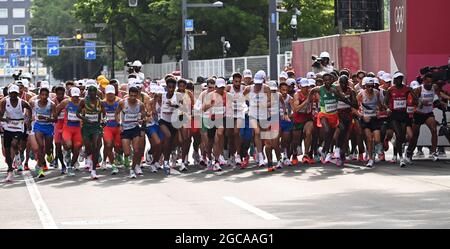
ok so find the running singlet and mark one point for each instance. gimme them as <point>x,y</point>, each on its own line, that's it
<point>328,101</point>
<point>130,115</point>
<point>71,115</point>
<point>62,113</point>
<point>42,111</point>
<point>111,114</point>
<point>167,110</point>
<point>398,98</point>
<point>15,116</point>
<point>344,109</point>
<point>305,113</point>
<point>285,106</point>
<point>426,98</point>
<point>257,104</point>
<point>369,106</point>
<point>218,109</point>
<point>92,113</point>
<point>238,105</point>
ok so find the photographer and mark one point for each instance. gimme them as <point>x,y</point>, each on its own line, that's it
<point>322,64</point>
<point>135,68</point>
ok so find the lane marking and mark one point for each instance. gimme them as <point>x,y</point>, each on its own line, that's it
<point>250,208</point>
<point>39,203</point>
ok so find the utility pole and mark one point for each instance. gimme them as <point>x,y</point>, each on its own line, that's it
<point>113,43</point>
<point>273,46</point>
<point>185,44</point>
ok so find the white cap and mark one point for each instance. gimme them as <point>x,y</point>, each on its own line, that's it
<point>386,77</point>
<point>273,85</point>
<point>290,82</point>
<point>311,75</point>
<point>45,84</point>
<point>283,75</point>
<point>75,92</point>
<point>110,89</point>
<point>25,83</point>
<point>304,82</point>
<point>260,76</point>
<point>26,75</point>
<point>90,82</point>
<point>312,82</point>
<point>137,63</point>
<point>13,89</point>
<point>398,74</point>
<point>376,81</point>
<point>380,73</point>
<point>367,80</point>
<point>247,73</point>
<point>220,83</point>
<point>414,84</point>
<point>324,55</point>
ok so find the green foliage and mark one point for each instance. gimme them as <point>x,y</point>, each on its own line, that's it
<point>258,46</point>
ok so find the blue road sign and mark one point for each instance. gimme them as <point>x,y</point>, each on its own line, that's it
<point>90,52</point>
<point>13,59</point>
<point>189,25</point>
<point>53,46</point>
<point>26,46</point>
<point>2,46</point>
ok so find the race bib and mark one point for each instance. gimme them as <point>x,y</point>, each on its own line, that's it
<point>410,109</point>
<point>218,110</point>
<point>369,113</point>
<point>42,117</point>
<point>16,124</point>
<point>332,107</point>
<point>399,104</point>
<point>92,117</point>
<point>72,116</point>
<point>110,116</point>
<point>61,115</point>
<point>130,117</point>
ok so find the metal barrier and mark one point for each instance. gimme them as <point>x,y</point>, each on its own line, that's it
<point>224,67</point>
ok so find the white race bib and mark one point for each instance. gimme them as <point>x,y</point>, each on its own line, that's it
<point>410,109</point>
<point>330,107</point>
<point>130,117</point>
<point>399,104</point>
<point>72,116</point>
<point>110,116</point>
<point>92,117</point>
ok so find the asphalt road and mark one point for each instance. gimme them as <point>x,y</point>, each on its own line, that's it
<point>320,196</point>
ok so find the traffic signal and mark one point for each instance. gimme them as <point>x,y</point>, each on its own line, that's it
<point>78,35</point>
<point>133,3</point>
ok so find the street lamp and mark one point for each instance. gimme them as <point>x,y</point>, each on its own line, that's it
<point>226,46</point>
<point>185,39</point>
<point>294,23</point>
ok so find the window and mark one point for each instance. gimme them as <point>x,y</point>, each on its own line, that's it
<point>3,29</point>
<point>19,13</point>
<point>19,29</point>
<point>3,13</point>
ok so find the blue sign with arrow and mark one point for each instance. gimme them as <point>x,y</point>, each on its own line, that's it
<point>90,52</point>
<point>2,46</point>
<point>189,25</point>
<point>13,59</point>
<point>26,46</point>
<point>53,46</point>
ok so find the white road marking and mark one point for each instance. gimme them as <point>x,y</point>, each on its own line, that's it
<point>39,203</point>
<point>251,208</point>
<point>90,222</point>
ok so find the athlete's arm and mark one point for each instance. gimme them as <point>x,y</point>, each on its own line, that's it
<point>53,117</point>
<point>118,110</point>
<point>28,112</point>
<point>79,110</point>
<point>2,111</point>
<point>61,106</point>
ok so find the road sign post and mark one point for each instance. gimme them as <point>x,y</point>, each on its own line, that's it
<point>26,46</point>
<point>13,59</point>
<point>2,46</point>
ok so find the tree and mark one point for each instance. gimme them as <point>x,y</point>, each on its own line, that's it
<point>258,46</point>
<point>60,21</point>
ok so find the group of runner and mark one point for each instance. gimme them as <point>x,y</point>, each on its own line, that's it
<point>327,117</point>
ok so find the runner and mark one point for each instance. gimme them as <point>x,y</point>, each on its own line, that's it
<point>129,114</point>
<point>12,114</point>
<point>71,130</point>
<point>91,112</point>
<point>424,115</point>
<point>43,128</point>
<point>184,133</point>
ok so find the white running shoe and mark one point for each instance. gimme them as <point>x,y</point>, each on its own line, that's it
<point>9,177</point>
<point>328,158</point>
<point>287,162</point>
<point>420,154</point>
<point>217,167</point>
<point>94,175</point>
<point>138,170</point>
<point>435,156</point>
<point>82,155</point>
<point>369,164</point>
<point>158,166</point>
<point>148,157</point>
<point>210,165</point>
<point>132,174</point>
<point>337,153</point>
<point>222,161</point>
<point>408,159</point>
<point>238,160</point>
<point>261,161</point>
<point>183,167</point>
<point>153,168</point>
<point>70,172</point>
<point>280,164</point>
<point>196,158</point>
<point>402,163</point>
<point>103,165</point>
<point>166,168</point>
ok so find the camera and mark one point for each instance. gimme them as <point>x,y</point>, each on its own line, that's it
<point>130,67</point>
<point>17,76</point>
<point>439,73</point>
<point>317,62</point>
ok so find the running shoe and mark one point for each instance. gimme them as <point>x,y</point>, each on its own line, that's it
<point>49,158</point>
<point>238,160</point>
<point>382,157</point>
<point>138,170</point>
<point>435,156</point>
<point>279,164</point>
<point>114,169</point>
<point>294,160</point>
<point>9,177</point>
<point>222,161</point>
<point>305,159</point>
<point>45,168</point>
<point>210,165</point>
<point>153,168</point>
<point>158,166</point>
<point>54,164</point>
<point>82,155</point>
<point>408,159</point>
<point>196,158</point>
<point>402,163</point>
<point>261,161</point>
<point>77,166</point>
<point>287,162</point>
<point>369,164</point>
<point>132,174</point>
<point>361,157</point>
<point>94,175</point>
<point>26,168</point>
<point>20,168</point>
<point>420,154</point>
<point>166,168</point>
<point>217,167</point>
<point>63,170</point>
<point>70,172</point>
<point>41,173</point>
<point>393,160</point>
<point>103,165</point>
<point>183,167</point>
<point>271,169</point>
<point>311,161</point>
<point>339,162</point>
